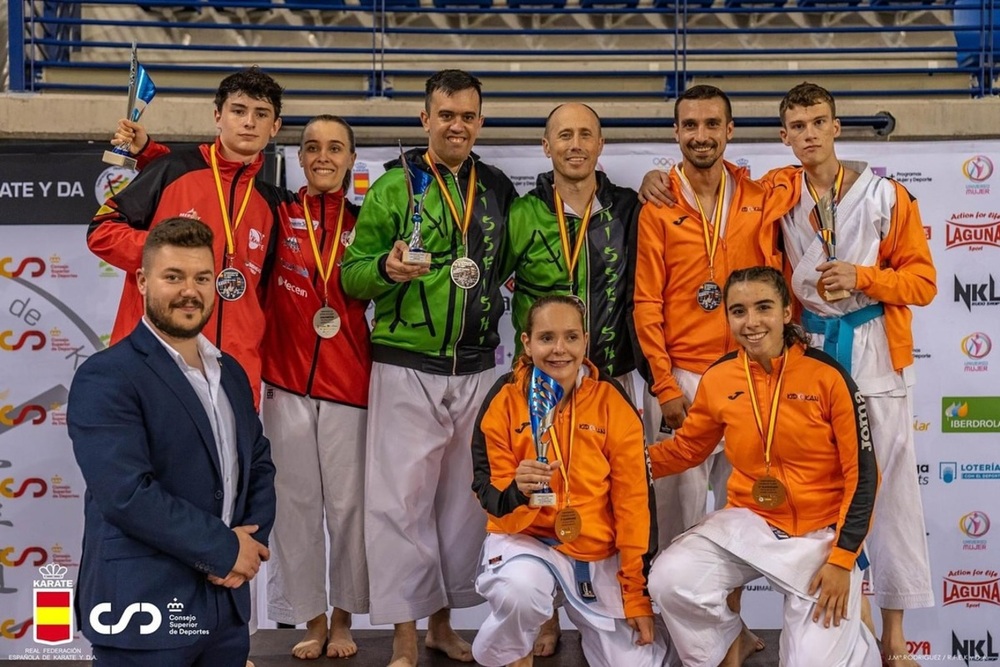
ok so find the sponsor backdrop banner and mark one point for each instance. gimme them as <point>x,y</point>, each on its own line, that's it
<point>57,305</point>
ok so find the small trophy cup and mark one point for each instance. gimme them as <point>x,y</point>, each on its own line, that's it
<point>543,396</point>
<point>417,182</point>
<point>140,93</point>
<point>826,213</point>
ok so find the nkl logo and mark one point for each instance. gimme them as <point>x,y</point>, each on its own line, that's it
<point>974,650</point>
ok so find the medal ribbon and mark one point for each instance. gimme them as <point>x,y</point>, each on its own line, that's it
<point>772,419</point>
<point>711,244</point>
<point>324,273</point>
<point>461,222</point>
<point>229,227</point>
<point>564,468</point>
<point>572,259</point>
<point>827,236</point>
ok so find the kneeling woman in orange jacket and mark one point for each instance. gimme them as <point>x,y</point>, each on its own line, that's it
<point>597,538</point>
<point>799,500</point>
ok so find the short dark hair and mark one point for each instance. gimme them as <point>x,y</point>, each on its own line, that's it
<point>704,92</point>
<point>769,276</point>
<point>449,82</point>
<point>252,82</point>
<point>806,95</point>
<point>552,113</point>
<point>178,232</point>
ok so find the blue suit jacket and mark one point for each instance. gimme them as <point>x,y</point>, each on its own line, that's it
<point>152,529</point>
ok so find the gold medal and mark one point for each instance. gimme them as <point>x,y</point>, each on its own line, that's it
<point>768,492</point>
<point>568,524</point>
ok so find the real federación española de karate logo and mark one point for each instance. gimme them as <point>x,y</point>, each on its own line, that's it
<point>53,606</point>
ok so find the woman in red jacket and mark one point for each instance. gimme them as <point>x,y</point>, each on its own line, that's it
<point>800,496</point>
<point>596,541</point>
<point>316,364</point>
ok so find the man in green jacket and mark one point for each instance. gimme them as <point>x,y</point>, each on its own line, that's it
<point>434,350</point>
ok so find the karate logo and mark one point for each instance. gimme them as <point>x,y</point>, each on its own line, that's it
<point>53,606</point>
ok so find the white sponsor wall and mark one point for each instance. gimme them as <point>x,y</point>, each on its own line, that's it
<point>57,304</point>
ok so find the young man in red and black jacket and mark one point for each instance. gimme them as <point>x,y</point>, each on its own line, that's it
<point>219,184</point>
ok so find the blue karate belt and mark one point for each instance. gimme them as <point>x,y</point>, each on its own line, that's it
<point>862,561</point>
<point>838,332</point>
<point>581,571</point>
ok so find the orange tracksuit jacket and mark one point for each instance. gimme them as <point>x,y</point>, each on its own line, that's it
<point>822,449</point>
<point>610,481</point>
<point>671,263</point>
<point>905,275</point>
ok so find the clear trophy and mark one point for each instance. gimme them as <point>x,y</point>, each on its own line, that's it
<point>417,182</point>
<point>140,93</point>
<point>543,396</point>
<point>826,212</point>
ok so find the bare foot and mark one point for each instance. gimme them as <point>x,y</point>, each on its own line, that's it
<point>752,640</point>
<point>404,645</point>
<point>894,640</point>
<point>526,661</point>
<point>311,646</point>
<point>548,637</point>
<point>441,637</point>
<point>341,643</point>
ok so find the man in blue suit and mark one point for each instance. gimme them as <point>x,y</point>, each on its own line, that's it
<point>180,493</point>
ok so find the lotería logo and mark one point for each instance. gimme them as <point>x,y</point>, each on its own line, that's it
<point>970,414</point>
<point>971,587</point>
<point>117,627</point>
<point>977,168</point>
<point>53,605</point>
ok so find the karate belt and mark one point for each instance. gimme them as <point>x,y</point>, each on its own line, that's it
<point>838,332</point>
<point>581,571</point>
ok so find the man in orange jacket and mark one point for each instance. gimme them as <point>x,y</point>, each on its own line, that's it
<point>855,276</point>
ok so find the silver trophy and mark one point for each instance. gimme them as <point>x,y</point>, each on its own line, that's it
<point>826,213</point>
<point>544,395</point>
<point>140,93</point>
<point>417,182</point>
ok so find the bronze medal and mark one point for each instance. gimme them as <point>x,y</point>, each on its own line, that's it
<point>568,524</point>
<point>768,492</point>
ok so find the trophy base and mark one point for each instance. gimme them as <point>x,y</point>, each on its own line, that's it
<point>416,257</point>
<point>119,160</point>
<point>834,295</point>
<point>543,500</point>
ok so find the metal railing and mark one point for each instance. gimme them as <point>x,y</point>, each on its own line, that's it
<point>631,52</point>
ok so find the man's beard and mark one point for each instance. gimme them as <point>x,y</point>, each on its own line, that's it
<point>160,318</point>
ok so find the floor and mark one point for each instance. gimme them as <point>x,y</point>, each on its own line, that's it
<point>272,648</point>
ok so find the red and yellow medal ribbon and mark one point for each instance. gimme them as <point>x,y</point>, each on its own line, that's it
<point>772,419</point>
<point>229,227</point>
<point>572,259</point>
<point>827,236</point>
<point>325,270</point>
<point>564,468</point>
<point>711,243</point>
<point>461,222</point>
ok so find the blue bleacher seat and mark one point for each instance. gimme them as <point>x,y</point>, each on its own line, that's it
<point>463,4</point>
<point>969,15</point>
<point>832,5</point>
<point>609,4</point>
<point>692,5</point>
<point>540,4</point>
<point>391,5</point>
<point>889,3</point>
<point>764,4</point>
